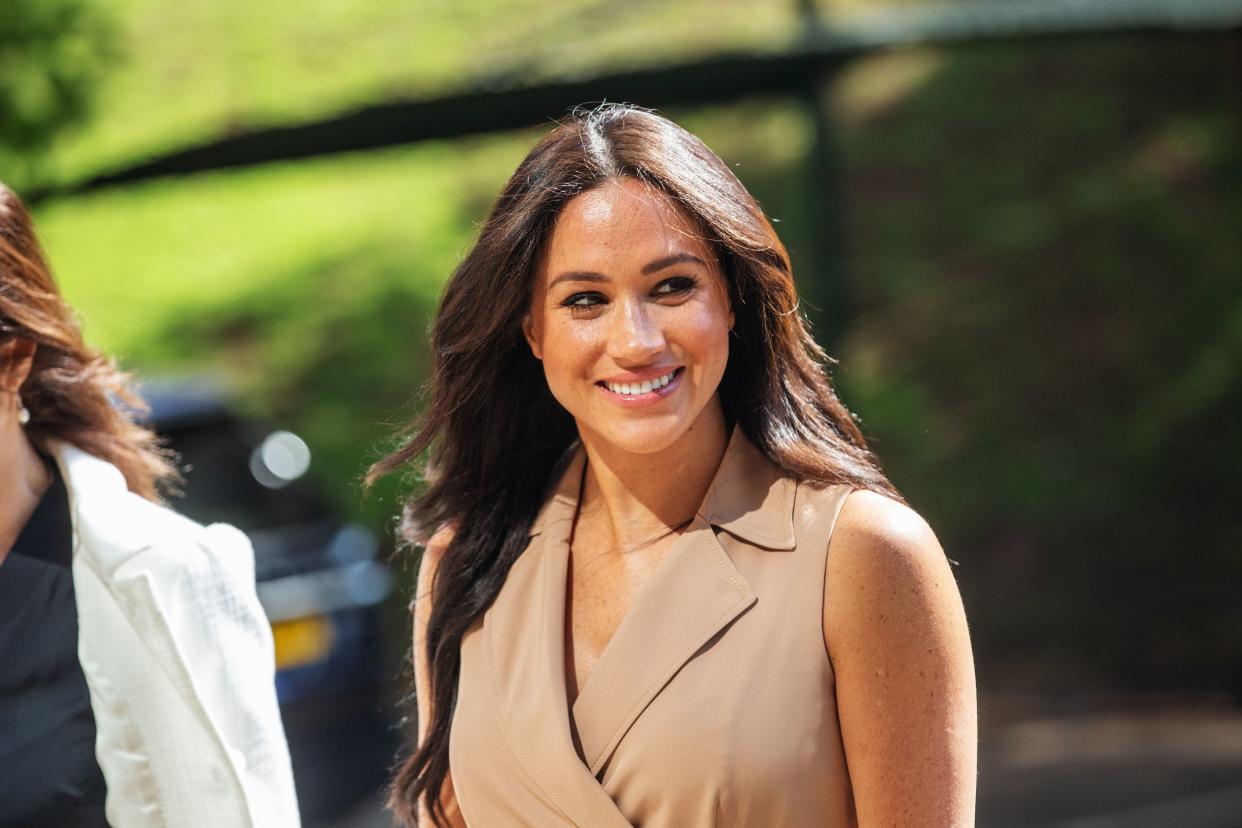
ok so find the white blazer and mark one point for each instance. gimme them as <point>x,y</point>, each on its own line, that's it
<point>178,658</point>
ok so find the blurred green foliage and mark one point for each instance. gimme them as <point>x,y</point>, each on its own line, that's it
<point>53,56</point>
<point>1048,348</point>
<point>306,288</point>
<point>199,70</point>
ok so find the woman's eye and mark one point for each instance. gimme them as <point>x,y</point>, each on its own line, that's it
<point>675,286</point>
<point>581,301</point>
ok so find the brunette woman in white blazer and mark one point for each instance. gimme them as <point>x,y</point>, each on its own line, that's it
<point>137,687</point>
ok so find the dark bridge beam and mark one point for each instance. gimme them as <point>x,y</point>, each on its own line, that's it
<point>504,103</point>
<point>475,111</point>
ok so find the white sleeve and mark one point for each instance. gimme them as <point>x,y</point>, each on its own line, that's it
<point>178,657</point>
<point>241,695</point>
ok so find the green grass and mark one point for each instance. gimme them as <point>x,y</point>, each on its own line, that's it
<point>202,69</point>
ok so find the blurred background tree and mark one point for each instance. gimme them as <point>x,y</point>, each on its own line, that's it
<point>53,56</point>
<point>1051,356</point>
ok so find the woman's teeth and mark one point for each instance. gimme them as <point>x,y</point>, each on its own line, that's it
<point>640,387</point>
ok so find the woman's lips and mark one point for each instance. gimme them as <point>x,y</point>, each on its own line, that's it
<point>642,393</point>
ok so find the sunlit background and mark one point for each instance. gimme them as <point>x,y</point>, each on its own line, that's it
<point>1017,225</point>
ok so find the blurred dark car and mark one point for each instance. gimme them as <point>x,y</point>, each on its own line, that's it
<point>320,581</point>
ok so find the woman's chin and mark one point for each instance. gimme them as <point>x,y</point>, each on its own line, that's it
<point>645,435</point>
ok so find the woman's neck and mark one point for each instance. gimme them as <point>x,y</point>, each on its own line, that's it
<point>634,496</point>
<point>24,480</point>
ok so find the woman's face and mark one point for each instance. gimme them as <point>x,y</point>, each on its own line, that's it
<point>631,317</point>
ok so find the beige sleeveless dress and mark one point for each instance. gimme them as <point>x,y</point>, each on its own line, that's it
<point>713,705</point>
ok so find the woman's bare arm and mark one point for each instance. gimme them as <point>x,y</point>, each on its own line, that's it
<point>896,633</point>
<point>422,682</point>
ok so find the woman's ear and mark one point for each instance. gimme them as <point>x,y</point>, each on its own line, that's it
<point>16,360</point>
<point>532,339</point>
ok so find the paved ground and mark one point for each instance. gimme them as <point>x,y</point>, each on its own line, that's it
<point>1169,767</point>
<point>1172,768</point>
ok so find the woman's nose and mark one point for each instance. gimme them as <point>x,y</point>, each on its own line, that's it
<point>636,337</point>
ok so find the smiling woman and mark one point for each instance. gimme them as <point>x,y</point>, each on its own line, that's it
<point>649,340</point>
<point>665,582</point>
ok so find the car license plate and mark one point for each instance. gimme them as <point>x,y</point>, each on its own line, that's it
<point>301,641</point>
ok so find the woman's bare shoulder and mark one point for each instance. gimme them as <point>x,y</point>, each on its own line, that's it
<point>875,532</point>
<point>887,578</point>
<point>897,636</point>
<point>432,555</point>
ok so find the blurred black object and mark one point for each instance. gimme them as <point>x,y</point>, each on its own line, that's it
<point>320,581</point>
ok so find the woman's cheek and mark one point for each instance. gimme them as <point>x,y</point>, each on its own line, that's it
<point>568,359</point>
<point>704,337</point>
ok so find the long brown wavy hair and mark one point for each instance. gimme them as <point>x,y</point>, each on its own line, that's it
<point>492,430</point>
<point>73,391</point>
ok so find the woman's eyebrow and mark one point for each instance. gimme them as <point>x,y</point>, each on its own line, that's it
<point>669,261</point>
<point>577,276</point>
<point>648,269</point>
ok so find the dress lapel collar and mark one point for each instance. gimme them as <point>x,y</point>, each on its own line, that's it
<point>525,635</point>
<point>693,595</point>
<point>750,498</point>
<point>556,517</point>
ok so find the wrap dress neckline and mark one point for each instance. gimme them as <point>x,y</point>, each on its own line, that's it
<point>693,594</point>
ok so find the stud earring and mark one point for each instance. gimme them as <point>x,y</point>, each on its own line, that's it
<point>23,413</point>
